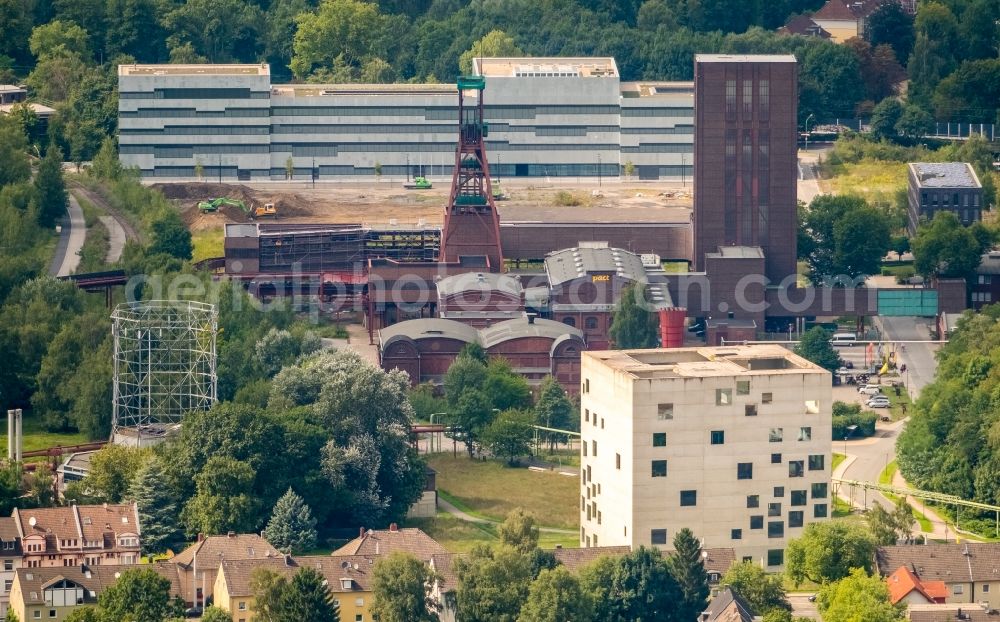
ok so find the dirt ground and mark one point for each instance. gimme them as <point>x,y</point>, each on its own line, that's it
<point>386,201</point>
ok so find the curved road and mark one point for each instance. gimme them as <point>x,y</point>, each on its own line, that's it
<point>74,233</point>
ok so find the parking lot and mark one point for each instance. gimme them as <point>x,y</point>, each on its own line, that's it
<point>855,355</point>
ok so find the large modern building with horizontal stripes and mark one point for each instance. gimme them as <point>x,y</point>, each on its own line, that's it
<point>548,117</point>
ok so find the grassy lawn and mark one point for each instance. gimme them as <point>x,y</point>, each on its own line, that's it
<point>896,270</point>
<point>460,536</point>
<point>874,180</point>
<point>207,243</point>
<point>36,437</point>
<point>491,490</point>
<point>562,457</point>
<point>897,403</point>
<point>885,477</point>
<point>837,459</point>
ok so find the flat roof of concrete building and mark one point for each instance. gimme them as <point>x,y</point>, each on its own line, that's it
<point>738,252</point>
<point>546,67</point>
<point>262,69</point>
<point>328,90</point>
<point>944,175</point>
<point>750,360</point>
<point>744,58</point>
<point>653,89</point>
<point>12,88</point>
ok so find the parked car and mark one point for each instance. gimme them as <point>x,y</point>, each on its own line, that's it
<point>869,389</point>
<point>878,403</point>
<point>843,371</point>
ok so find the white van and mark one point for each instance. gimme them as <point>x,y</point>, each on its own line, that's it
<point>843,339</point>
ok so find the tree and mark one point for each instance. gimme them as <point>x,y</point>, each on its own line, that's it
<point>309,599</point>
<point>861,240</point>
<point>83,614</point>
<point>400,584</point>
<point>216,614</point>
<point>344,33</point>
<point>764,592</point>
<point>815,346</point>
<point>157,507</point>
<point>377,168</point>
<point>688,569</point>
<point>637,586</point>
<point>58,38</point>
<point>509,435</point>
<point>171,237</point>
<point>858,596</point>
<point>219,30</point>
<point>138,594</point>
<point>885,115</point>
<point>113,469</point>
<point>915,122</point>
<point>519,530</point>
<point>199,170</point>
<point>106,164</point>
<point>882,525</point>
<point>51,188</point>
<point>944,248</point>
<point>493,584</point>
<point>890,24</point>
<point>506,388</point>
<point>556,596</point>
<point>828,551</point>
<point>54,76</point>
<point>554,410</point>
<point>830,82</point>
<point>289,168</point>
<point>899,244</point>
<point>633,325</point>
<point>14,165</point>
<point>628,168</point>
<point>493,43</point>
<point>292,526</point>
<point>224,501</point>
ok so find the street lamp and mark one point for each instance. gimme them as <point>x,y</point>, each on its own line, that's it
<point>809,118</point>
<point>850,432</point>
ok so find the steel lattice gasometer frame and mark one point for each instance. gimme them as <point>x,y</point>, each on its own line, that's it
<point>164,366</point>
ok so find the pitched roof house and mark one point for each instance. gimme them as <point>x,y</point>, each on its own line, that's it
<point>95,535</point>
<point>199,563</point>
<point>970,571</point>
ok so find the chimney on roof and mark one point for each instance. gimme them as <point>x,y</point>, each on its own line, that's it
<point>288,559</point>
<point>361,532</point>
<point>231,534</point>
<point>105,505</point>
<point>201,537</point>
<point>393,527</point>
<point>558,546</point>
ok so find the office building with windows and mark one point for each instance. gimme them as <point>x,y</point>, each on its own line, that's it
<point>547,117</point>
<point>943,187</point>
<point>745,154</point>
<point>731,442</point>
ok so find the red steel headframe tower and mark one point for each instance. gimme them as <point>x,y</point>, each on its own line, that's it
<point>471,222</point>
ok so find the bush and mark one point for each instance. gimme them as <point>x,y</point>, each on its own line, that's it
<point>567,199</point>
<point>845,415</point>
<point>904,274</point>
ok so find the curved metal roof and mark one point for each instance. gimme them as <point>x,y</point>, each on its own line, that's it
<point>479,281</point>
<point>426,328</point>
<point>516,329</point>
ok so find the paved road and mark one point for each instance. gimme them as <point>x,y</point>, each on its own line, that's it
<point>116,239</point>
<point>808,187</point>
<point>867,458</point>
<point>74,233</point>
<point>801,607</point>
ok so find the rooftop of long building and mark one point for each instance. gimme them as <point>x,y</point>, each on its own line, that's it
<point>546,67</point>
<point>262,69</point>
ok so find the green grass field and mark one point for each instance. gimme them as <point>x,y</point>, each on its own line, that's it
<point>491,490</point>
<point>460,536</point>
<point>885,477</point>
<point>207,243</point>
<point>837,459</point>
<point>36,437</point>
<point>874,180</point>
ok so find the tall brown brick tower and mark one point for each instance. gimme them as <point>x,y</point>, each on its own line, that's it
<point>745,163</point>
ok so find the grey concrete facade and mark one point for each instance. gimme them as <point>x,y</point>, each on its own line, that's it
<point>548,117</point>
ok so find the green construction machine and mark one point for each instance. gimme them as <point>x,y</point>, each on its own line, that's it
<point>215,204</point>
<point>418,183</point>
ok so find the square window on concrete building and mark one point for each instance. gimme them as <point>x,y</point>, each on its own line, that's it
<point>766,398</point>
<point>748,558</point>
<point>757,522</point>
<point>718,437</point>
<point>775,435</point>
<point>659,439</point>
<point>775,557</point>
<point>723,397</point>
<point>659,468</point>
<point>779,492</point>
<point>658,536</point>
<point>812,407</point>
<point>753,501</point>
<point>798,497</point>
<point>744,470</point>
<point>796,468</point>
<point>805,433</point>
<point>776,529</point>
<point>737,534</point>
<point>750,410</point>
<point>819,510</point>
<point>774,509</point>
<point>816,462</point>
<point>664,411</point>
<point>775,458</point>
<point>795,518</point>
<point>819,491</point>
<point>742,387</point>
<point>689,497</point>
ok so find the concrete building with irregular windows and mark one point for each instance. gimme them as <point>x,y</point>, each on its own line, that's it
<point>943,187</point>
<point>548,117</point>
<point>731,442</point>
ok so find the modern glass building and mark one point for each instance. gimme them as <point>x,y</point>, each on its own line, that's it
<point>548,117</point>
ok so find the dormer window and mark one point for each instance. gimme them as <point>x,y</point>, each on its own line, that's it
<point>346,584</point>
